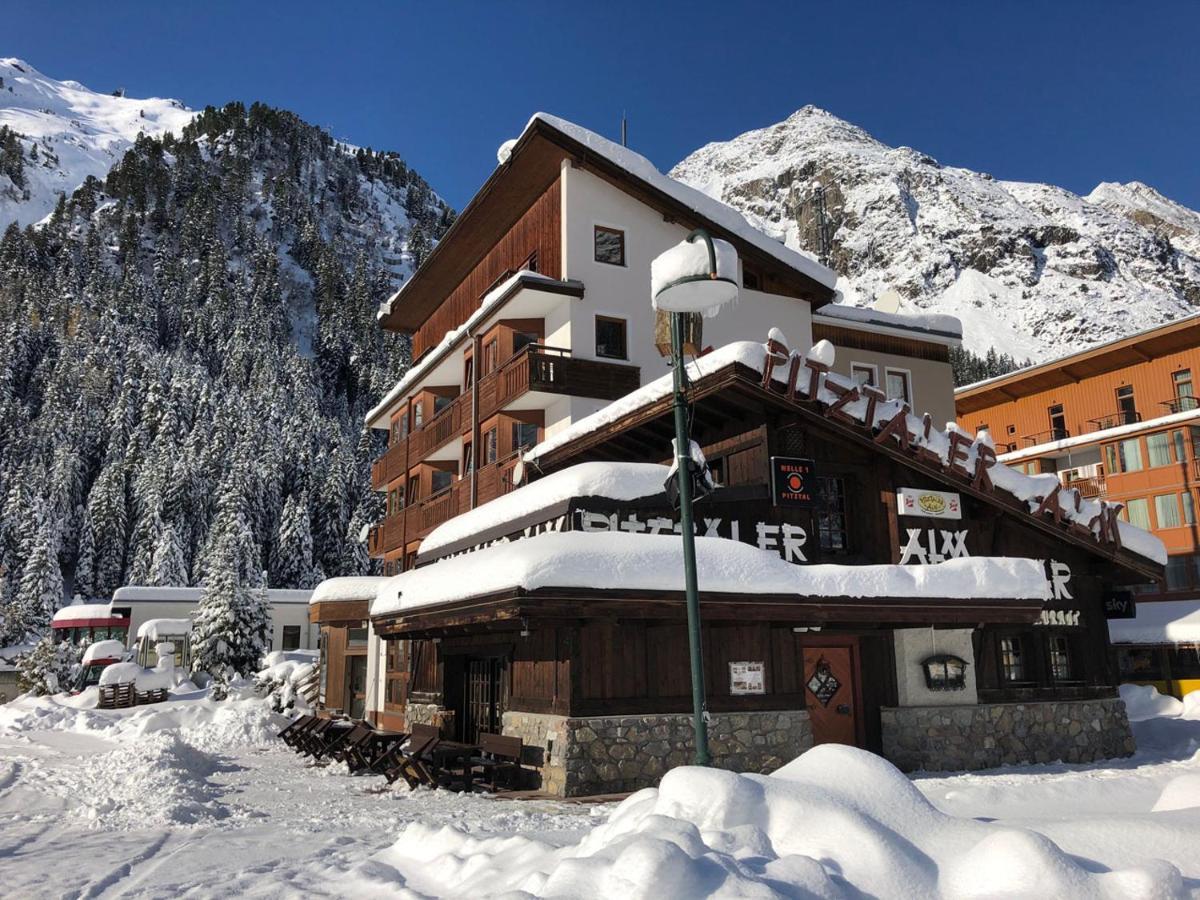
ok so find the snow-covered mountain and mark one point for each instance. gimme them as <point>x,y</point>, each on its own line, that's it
<point>1033,270</point>
<point>67,132</point>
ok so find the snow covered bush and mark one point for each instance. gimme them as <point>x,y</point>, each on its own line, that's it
<point>49,667</point>
<point>284,677</point>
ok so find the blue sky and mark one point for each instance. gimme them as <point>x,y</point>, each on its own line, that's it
<point>1071,93</point>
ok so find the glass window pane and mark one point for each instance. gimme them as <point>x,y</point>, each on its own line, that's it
<point>1166,510</point>
<point>1110,456</point>
<point>1177,573</point>
<point>1139,513</point>
<point>1131,455</point>
<point>1159,450</point>
<point>898,386</point>
<point>1189,508</point>
<point>1177,440</point>
<point>610,246</point>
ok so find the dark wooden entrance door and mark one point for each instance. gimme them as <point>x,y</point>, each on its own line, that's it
<point>831,692</point>
<point>486,697</point>
<point>356,685</point>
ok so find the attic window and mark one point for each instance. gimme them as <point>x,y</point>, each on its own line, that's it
<point>610,245</point>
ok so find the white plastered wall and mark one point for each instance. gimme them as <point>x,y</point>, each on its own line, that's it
<point>376,670</point>
<point>916,644</point>
<point>931,382</point>
<point>624,291</point>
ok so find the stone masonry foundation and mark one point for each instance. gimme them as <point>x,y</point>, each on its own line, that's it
<point>612,754</point>
<point>952,738</point>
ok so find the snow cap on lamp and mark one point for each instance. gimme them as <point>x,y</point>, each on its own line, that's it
<point>698,275</point>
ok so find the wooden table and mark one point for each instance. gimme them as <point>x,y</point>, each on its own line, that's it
<point>452,760</point>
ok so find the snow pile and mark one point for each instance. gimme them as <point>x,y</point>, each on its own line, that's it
<point>103,650</point>
<point>612,480</point>
<point>143,679</point>
<point>934,323</point>
<point>158,781</point>
<point>1181,792</point>
<point>82,612</point>
<point>653,562</point>
<point>684,279</point>
<point>285,672</point>
<point>77,132</point>
<point>1143,701</point>
<point>837,822</point>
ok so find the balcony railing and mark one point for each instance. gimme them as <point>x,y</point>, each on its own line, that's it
<point>1117,419</point>
<point>1181,404</point>
<point>1044,437</point>
<point>1087,487</point>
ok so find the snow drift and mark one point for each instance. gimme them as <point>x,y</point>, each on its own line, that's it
<point>836,822</point>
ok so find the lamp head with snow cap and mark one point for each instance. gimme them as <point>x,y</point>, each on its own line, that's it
<point>697,275</point>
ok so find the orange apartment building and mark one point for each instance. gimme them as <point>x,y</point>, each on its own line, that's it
<point>1119,421</point>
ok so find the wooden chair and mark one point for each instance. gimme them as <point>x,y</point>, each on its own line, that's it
<point>332,739</point>
<point>414,763</point>
<point>498,763</point>
<point>359,733</point>
<point>295,728</point>
<point>314,737</point>
<point>362,756</point>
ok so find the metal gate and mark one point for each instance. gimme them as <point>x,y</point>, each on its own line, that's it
<point>487,697</point>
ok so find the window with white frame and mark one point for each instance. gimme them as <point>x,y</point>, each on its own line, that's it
<point>898,385</point>
<point>863,373</point>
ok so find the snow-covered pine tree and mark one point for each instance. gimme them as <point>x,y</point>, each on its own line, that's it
<point>49,667</point>
<point>40,591</point>
<point>292,561</point>
<point>231,626</point>
<point>169,565</point>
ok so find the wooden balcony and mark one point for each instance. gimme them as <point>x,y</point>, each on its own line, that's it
<point>390,465</point>
<point>1087,487</point>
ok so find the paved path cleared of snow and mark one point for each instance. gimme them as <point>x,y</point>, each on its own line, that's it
<point>196,799</point>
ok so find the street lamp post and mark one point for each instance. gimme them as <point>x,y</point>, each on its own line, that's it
<point>691,278</point>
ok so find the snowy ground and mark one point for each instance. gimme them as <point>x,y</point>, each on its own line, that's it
<point>198,799</point>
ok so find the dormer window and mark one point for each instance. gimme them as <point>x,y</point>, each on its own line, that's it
<point>610,245</point>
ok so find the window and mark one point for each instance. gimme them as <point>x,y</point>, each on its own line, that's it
<point>1138,513</point>
<point>489,447</point>
<point>610,338</point>
<point>394,672</point>
<point>1166,510</point>
<point>610,246</point>
<point>414,489</point>
<point>862,373</point>
<point>1129,456</point>
<point>291,637</point>
<point>468,372</point>
<point>399,429</point>
<point>1158,450</point>
<point>1189,508</point>
<point>524,435</point>
<point>418,414</point>
<point>898,385</point>
<point>1012,659</point>
<point>1177,572</point>
<point>468,458</point>
<point>440,402</point>
<point>1139,664</point>
<point>1058,423</point>
<point>522,339</point>
<point>1184,398</point>
<point>1177,440</point>
<point>1126,408</point>
<point>831,514</point>
<point>491,353</point>
<point>1060,657</point>
<point>440,480</point>
<point>356,637</point>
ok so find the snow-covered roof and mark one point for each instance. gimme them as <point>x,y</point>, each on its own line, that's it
<point>749,353</point>
<point>160,629</point>
<point>82,612</point>
<point>1030,489</point>
<point>361,587</point>
<point>1106,434</point>
<point>492,300</point>
<point>704,206</point>
<point>614,480</point>
<point>935,326</point>
<point>1159,622</point>
<point>103,650</point>
<point>9,656</point>
<point>148,594</point>
<point>652,563</point>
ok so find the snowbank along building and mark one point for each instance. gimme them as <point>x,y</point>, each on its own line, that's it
<point>1120,421</point>
<point>865,577</point>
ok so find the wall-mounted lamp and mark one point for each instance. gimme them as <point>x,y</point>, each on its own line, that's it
<point>524,628</point>
<point>945,672</point>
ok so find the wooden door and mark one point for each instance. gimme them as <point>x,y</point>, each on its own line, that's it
<point>831,692</point>
<point>356,686</point>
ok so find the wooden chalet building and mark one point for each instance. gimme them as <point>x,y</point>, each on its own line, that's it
<point>865,578</point>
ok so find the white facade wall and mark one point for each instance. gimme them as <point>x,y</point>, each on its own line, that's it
<point>624,291</point>
<point>916,644</point>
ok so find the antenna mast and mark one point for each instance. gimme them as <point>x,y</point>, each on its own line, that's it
<point>624,130</point>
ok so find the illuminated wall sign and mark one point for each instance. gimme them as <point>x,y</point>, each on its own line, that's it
<point>793,481</point>
<point>933,545</point>
<point>747,678</point>
<point>933,504</point>
<point>1119,605</point>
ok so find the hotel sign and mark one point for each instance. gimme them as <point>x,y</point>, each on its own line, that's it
<point>931,504</point>
<point>793,481</point>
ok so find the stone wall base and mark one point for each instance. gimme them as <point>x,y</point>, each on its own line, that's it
<point>613,754</point>
<point>954,738</point>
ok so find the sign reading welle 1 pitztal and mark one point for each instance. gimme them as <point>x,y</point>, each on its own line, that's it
<point>793,481</point>
<point>933,504</point>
